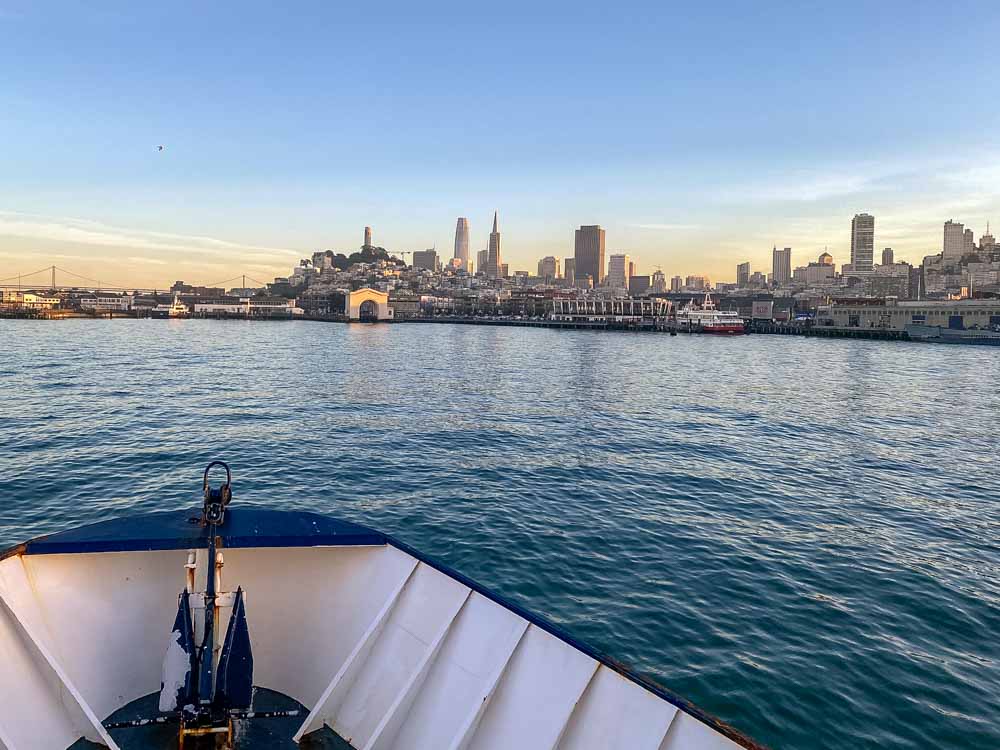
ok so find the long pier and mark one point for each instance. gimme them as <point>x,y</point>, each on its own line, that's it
<point>827,332</point>
<point>645,326</point>
<point>672,327</point>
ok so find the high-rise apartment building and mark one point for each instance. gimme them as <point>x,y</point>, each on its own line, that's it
<point>631,270</point>
<point>862,243</point>
<point>462,242</point>
<point>481,260</point>
<point>659,281</point>
<point>426,259</point>
<point>781,266</point>
<point>676,284</point>
<point>494,256</point>
<point>638,285</point>
<point>887,256</point>
<point>743,275</point>
<point>569,271</point>
<point>548,267</point>
<point>696,283</point>
<point>368,236</point>
<point>968,243</point>
<point>617,277</point>
<point>588,250</point>
<point>954,240</point>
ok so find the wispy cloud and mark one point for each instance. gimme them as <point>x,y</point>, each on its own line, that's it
<point>890,180</point>
<point>81,231</point>
<point>666,227</point>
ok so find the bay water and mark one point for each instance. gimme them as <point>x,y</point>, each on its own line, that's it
<point>801,536</point>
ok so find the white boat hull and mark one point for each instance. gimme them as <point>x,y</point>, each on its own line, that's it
<point>388,650</point>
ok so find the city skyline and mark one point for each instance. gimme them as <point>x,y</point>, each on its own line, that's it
<point>260,166</point>
<point>957,238</point>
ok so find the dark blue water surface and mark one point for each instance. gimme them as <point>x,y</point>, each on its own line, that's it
<point>801,536</point>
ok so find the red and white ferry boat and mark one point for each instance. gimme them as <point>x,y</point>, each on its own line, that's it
<point>707,319</point>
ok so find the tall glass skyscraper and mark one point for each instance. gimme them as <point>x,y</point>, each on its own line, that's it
<point>462,242</point>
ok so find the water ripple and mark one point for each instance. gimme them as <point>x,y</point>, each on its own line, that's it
<point>798,535</point>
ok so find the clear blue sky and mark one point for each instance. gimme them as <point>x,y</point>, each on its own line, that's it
<point>698,134</point>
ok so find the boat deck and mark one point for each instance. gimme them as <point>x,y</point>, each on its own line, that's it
<point>353,633</point>
<point>250,734</point>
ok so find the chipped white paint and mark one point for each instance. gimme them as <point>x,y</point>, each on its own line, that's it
<point>392,653</point>
<point>176,667</point>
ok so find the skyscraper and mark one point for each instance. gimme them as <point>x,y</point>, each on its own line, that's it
<point>569,271</point>
<point>676,283</point>
<point>462,242</point>
<point>617,277</point>
<point>781,266</point>
<point>659,281</point>
<point>743,275</point>
<point>481,260</point>
<point>588,249</point>
<point>638,285</point>
<point>426,259</point>
<point>697,283</point>
<point>968,243</point>
<point>954,240</point>
<point>887,256</point>
<point>494,257</point>
<point>863,243</point>
<point>548,267</point>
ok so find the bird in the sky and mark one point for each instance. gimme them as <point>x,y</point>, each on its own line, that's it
<point>159,148</point>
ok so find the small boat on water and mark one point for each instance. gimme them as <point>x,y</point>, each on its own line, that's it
<point>708,319</point>
<point>292,629</point>
<point>175,309</point>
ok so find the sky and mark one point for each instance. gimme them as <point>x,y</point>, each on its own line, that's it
<point>698,135</point>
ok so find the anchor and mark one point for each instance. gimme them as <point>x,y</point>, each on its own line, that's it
<point>205,688</point>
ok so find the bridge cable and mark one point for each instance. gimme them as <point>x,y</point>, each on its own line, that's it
<point>22,275</point>
<point>85,278</point>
